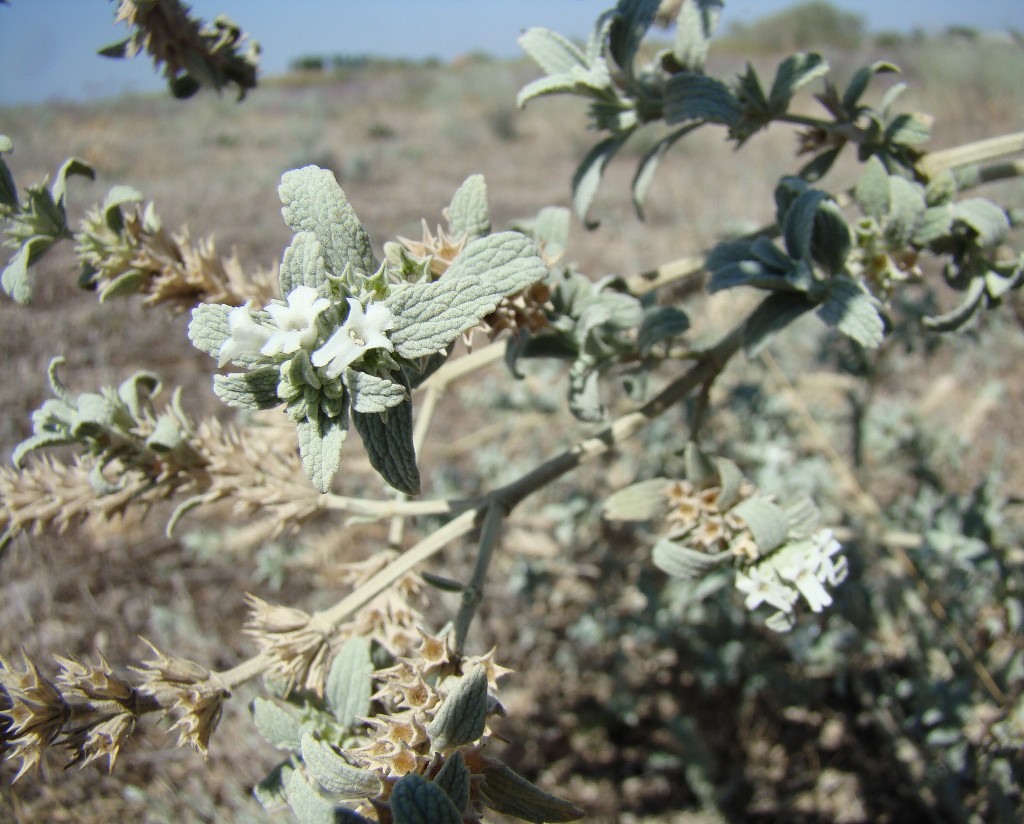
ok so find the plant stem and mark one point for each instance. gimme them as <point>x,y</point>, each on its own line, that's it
<point>472,595</point>
<point>970,154</point>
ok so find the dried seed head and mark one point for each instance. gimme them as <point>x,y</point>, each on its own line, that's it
<point>35,712</point>
<point>442,249</point>
<point>301,651</point>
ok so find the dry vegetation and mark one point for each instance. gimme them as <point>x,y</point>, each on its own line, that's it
<point>401,139</point>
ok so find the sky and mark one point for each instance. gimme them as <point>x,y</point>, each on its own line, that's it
<point>48,47</point>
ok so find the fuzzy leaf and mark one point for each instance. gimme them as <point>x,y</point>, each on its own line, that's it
<point>432,315</point>
<point>587,177</point>
<point>962,313</point>
<point>661,324</point>
<point>637,502</point>
<point>415,800</point>
<point>801,216</point>
<point>987,220</point>
<point>320,443</point>
<point>730,480</point>
<point>279,723</point>
<point>270,790</point>
<point>72,166</point>
<point>909,129</point>
<point>860,81</point>
<point>314,202</point>
<point>633,19</point>
<point>15,280</point>
<point>468,213</point>
<point>649,165</point>
<point>872,190</point>
<point>767,522</point>
<point>509,793</point>
<point>312,808</point>
<point>906,211</point>
<point>693,96</point>
<point>831,241</point>
<point>795,72</point>
<point>334,773</point>
<point>350,682</point>
<point>303,265</point>
<point>551,51</point>
<point>695,23</point>
<point>773,315</point>
<point>454,779</point>
<point>850,308</point>
<point>462,716</point>
<point>389,446</point>
<point>682,562</point>
<point>249,390</point>
<point>371,394</point>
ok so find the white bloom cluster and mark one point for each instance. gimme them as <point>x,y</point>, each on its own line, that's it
<point>295,327</point>
<point>800,568</point>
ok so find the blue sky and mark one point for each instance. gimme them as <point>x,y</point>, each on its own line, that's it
<point>48,47</point>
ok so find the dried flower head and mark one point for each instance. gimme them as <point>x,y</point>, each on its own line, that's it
<point>35,713</point>
<point>441,249</point>
<point>300,650</point>
<point>188,691</point>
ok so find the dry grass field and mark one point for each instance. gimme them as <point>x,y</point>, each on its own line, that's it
<point>401,139</point>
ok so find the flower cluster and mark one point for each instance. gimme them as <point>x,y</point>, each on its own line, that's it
<point>90,711</point>
<point>295,325</point>
<point>799,568</point>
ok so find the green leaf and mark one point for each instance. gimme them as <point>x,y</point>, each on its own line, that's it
<point>684,563</point>
<point>370,394</point>
<point>312,808</point>
<point>872,190</point>
<point>432,315</point>
<point>909,129</point>
<point>279,723</point>
<point>314,202</point>
<point>661,324</point>
<point>730,481</point>
<point>815,169</point>
<point>551,230</point>
<point>773,315</point>
<point>463,714</point>
<point>798,227</point>
<point>249,390</point>
<point>633,19</point>
<point>649,165</point>
<point>767,522</point>
<point>859,83</point>
<point>209,327</point>
<point>72,166</point>
<point>551,51</point>
<point>695,24</point>
<point>414,800</point>
<point>587,177</point>
<point>509,793</point>
<point>795,72</point>
<point>468,213</point>
<point>388,442</point>
<point>961,314</point>
<point>832,239</point>
<point>987,220</point>
<point>270,790</point>
<point>320,443</point>
<point>906,211</point>
<point>303,265</point>
<point>454,779</point>
<point>350,682</point>
<point>850,308</point>
<point>15,280</point>
<point>637,502</point>
<point>115,50</point>
<point>692,96</point>
<point>334,773</point>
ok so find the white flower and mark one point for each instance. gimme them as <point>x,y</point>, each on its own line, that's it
<point>360,332</point>
<point>809,565</point>
<point>296,321</point>
<point>761,585</point>
<point>247,336</point>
